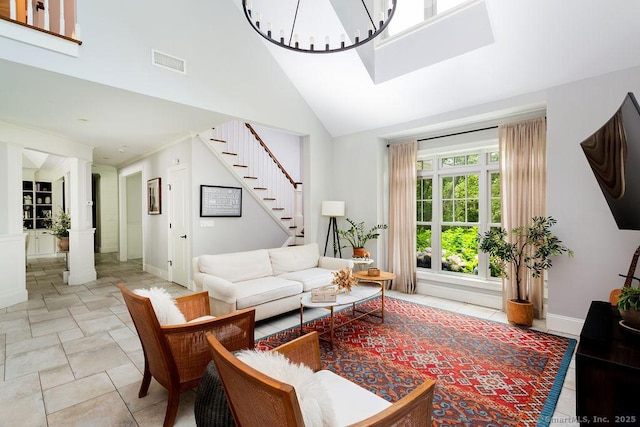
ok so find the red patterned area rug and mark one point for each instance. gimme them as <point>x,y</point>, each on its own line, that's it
<point>488,373</point>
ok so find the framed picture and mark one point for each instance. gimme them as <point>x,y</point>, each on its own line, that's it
<point>220,201</point>
<point>154,197</point>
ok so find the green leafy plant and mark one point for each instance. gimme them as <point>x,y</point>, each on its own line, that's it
<point>530,246</point>
<point>357,236</point>
<point>59,226</point>
<point>629,298</point>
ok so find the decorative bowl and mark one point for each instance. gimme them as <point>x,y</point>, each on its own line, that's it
<point>373,272</point>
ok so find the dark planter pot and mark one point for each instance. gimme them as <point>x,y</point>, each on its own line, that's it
<point>520,312</point>
<point>631,318</point>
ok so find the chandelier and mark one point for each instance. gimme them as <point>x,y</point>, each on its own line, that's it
<point>364,27</point>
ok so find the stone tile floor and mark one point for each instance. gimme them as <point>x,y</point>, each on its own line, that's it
<point>69,356</point>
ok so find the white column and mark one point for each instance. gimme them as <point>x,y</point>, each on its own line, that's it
<point>13,287</point>
<point>81,235</point>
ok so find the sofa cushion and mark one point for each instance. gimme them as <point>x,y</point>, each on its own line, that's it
<point>294,258</point>
<point>258,291</point>
<point>310,278</point>
<point>238,266</point>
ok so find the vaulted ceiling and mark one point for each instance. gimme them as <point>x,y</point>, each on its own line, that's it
<point>491,50</point>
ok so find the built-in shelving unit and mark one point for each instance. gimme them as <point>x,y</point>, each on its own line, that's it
<point>28,214</point>
<point>37,210</point>
<point>37,204</point>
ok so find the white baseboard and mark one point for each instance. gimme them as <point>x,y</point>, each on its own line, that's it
<point>457,294</point>
<point>163,274</point>
<point>12,297</point>
<point>564,324</point>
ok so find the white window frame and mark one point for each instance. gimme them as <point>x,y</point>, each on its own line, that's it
<point>484,168</point>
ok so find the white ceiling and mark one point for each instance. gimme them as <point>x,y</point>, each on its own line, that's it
<point>536,44</point>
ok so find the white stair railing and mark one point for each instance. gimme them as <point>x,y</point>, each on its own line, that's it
<point>242,147</point>
<point>38,14</point>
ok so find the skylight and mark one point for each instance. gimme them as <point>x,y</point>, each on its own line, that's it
<point>410,13</point>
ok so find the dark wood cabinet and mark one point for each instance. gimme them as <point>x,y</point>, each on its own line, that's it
<point>607,370</point>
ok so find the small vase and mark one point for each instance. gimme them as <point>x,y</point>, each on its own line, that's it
<point>63,244</point>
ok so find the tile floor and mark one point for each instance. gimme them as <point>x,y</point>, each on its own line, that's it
<point>69,356</point>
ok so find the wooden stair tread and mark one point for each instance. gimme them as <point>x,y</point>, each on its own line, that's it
<point>240,166</point>
<point>259,188</point>
<point>286,217</point>
<point>268,198</point>
<point>251,177</point>
<point>229,153</point>
<point>217,140</point>
<point>277,209</point>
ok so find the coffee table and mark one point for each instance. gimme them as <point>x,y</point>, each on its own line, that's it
<point>385,276</point>
<point>359,293</point>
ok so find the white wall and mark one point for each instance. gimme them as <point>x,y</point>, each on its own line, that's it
<point>585,222</point>
<point>134,215</point>
<point>255,229</point>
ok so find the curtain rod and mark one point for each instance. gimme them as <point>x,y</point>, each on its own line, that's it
<point>454,134</point>
<point>457,133</point>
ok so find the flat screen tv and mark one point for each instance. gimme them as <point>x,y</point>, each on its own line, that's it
<point>613,152</point>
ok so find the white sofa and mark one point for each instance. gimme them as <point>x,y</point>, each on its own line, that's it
<point>271,280</point>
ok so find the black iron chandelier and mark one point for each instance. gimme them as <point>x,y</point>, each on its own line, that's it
<point>289,39</point>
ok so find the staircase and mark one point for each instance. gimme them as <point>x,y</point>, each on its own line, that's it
<point>246,155</point>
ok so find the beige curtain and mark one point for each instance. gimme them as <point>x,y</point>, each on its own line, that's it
<point>523,177</point>
<point>402,215</point>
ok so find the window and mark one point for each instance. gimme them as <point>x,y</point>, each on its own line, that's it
<point>410,13</point>
<point>458,197</point>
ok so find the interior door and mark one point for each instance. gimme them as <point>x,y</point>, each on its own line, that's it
<point>179,251</point>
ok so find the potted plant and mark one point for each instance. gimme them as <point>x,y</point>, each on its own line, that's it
<point>357,236</point>
<point>59,226</point>
<point>629,306</point>
<point>529,250</point>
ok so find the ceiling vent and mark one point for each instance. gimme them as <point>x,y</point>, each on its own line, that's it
<point>169,62</point>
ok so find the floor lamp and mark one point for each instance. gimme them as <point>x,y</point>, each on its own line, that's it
<point>333,209</point>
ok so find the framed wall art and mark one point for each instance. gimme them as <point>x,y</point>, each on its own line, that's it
<point>154,197</point>
<point>220,201</point>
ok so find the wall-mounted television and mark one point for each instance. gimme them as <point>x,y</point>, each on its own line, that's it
<point>613,152</point>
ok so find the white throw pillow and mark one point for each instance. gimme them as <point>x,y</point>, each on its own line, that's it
<point>165,307</point>
<point>314,401</point>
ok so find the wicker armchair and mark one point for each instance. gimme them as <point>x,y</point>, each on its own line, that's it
<point>177,355</point>
<point>259,400</point>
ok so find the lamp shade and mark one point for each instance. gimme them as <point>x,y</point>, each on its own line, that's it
<point>332,208</point>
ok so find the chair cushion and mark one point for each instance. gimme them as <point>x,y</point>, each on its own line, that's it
<point>238,266</point>
<point>314,401</point>
<point>294,258</point>
<point>310,278</point>
<point>258,291</point>
<point>201,318</point>
<point>164,306</point>
<point>351,403</point>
